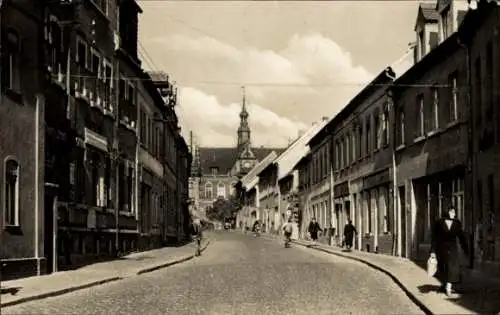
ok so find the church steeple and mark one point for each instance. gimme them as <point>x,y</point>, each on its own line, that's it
<point>243,129</point>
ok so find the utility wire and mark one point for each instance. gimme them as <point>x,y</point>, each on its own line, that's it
<point>284,85</point>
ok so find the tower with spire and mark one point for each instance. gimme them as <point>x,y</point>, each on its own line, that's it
<point>244,128</point>
<point>246,158</point>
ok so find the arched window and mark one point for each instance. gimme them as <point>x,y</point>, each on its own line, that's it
<point>11,192</point>
<point>221,190</point>
<point>209,190</point>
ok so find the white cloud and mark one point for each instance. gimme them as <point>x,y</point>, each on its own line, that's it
<point>310,77</point>
<point>216,124</point>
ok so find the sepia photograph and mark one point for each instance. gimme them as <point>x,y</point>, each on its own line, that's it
<point>249,157</point>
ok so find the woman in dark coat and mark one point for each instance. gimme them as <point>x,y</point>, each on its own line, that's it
<point>349,231</point>
<point>444,247</point>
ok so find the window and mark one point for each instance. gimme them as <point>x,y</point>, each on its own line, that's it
<point>144,127</point>
<point>54,44</point>
<point>214,171</point>
<point>348,150</point>
<point>107,78</point>
<point>221,190</point>
<point>208,190</point>
<point>353,145</point>
<point>446,23</point>
<point>385,126</point>
<point>11,71</point>
<point>368,136</point>
<point>454,97</point>
<point>421,41</point>
<point>421,115</point>
<point>81,52</point>
<point>435,109</point>
<point>95,70</point>
<point>337,155</point>
<point>360,141</point>
<point>11,192</point>
<point>378,131</point>
<point>401,125</point>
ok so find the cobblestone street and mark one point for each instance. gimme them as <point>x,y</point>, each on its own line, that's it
<point>240,274</point>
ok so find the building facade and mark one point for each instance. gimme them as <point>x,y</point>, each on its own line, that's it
<point>221,168</point>
<point>22,110</point>
<point>479,33</point>
<point>88,201</point>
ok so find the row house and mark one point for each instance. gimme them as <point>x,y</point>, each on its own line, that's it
<point>318,197</point>
<point>431,135</point>
<point>85,201</point>
<point>248,194</point>
<point>359,180</point>
<point>22,107</point>
<point>421,141</point>
<point>91,147</point>
<point>479,33</point>
<point>273,185</point>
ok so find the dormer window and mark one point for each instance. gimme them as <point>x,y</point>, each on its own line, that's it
<point>446,23</point>
<point>214,171</point>
<point>421,43</point>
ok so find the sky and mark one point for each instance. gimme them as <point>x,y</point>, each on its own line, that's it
<point>299,61</point>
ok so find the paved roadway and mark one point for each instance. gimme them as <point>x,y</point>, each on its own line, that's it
<point>240,274</point>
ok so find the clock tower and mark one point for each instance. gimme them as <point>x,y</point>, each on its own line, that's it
<point>246,158</point>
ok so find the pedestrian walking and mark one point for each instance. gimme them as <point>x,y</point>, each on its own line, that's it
<point>349,232</point>
<point>196,232</point>
<point>313,230</point>
<point>444,247</point>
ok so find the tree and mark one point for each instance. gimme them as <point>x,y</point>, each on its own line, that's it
<point>222,209</point>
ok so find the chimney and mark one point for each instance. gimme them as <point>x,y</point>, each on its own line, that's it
<point>324,118</point>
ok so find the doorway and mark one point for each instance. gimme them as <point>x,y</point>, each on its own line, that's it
<point>402,217</point>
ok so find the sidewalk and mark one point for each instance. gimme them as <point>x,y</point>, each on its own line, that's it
<point>34,288</point>
<point>479,294</point>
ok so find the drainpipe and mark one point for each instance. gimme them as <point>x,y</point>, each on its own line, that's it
<point>471,163</point>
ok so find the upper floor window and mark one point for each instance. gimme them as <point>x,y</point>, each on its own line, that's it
<point>401,127</point>
<point>378,130</point>
<point>446,23</point>
<point>353,145</point>
<point>81,52</point>
<point>478,90</point>
<point>11,69</point>
<point>421,43</point>
<point>208,190</point>
<point>385,126</point>
<point>368,136</point>
<point>214,171</point>
<point>435,109</point>
<point>11,192</point>
<point>420,115</point>
<point>454,97</point>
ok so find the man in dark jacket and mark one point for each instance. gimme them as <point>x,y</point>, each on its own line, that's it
<point>313,230</point>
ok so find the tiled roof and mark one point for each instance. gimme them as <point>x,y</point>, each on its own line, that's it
<point>429,11</point>
<point>224,158</point>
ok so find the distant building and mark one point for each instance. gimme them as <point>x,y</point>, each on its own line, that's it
<point>219,169</point>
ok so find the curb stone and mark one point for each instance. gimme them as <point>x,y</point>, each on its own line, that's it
<point>410,295</point>
<point>99,282</point>
<point>171,263</point>
<point>60,292</point>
